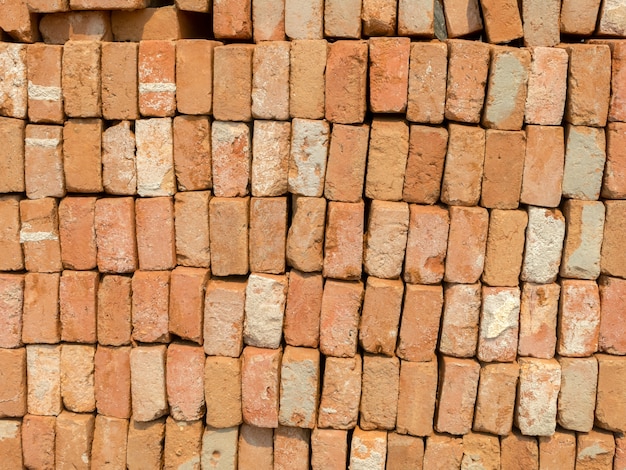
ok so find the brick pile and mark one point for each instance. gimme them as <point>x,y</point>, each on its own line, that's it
<point>300,234</point>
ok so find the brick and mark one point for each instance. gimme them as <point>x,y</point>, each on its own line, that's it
<point>43,161</point>
<point>594,449</point>
<point>81,79</point>
<point>183,443</point>
<point>147,375</point>
<point>187,302</point>
<point>495,401</point>
<point>341,393</point>
<point>379,392</point>
<point>612,310</point>
<point>266,295</point>
<point>427,81</point>
<point>112,381</point>
<point>109,442</point>
<point>230,158</point>
<point>614,181</point>
<point>343,246</point>
<point>268,232</point>
<point>577,397</point>
<point>268,20</point>
<point>579,318</point>
<point>467,242</point>
<point>307,91</point>
<point>346,73</point>
<point>342,19</point>
<point>499,324</point>
<point>584,229</point>
<point>538,317</point>
<point>13,378</point>
<point>611,254</point>
<point>382,304</point>
<point>502,21</point>
<point>107,4</point>
<point>12,155</point>
<point>617,105</point>
<point>163,23</point>
<point>329,449</point>
<point>404,452</point>
<point>482,450</point>
<point>256,448</point>
<point>421,315</point>
<point>339,321</point>
<point>119,175</point>
<point>424,168</point>
<point>222,390</point>
<point>184,381</point>
<point>301,325</point>
<point>537,391</point>
<point>11,308</point>
<point>299,387</point>
<point>417,397</point>
<point>443,451</point>
<point>387,158</point>
<point>463,171</point>
<point>416,18</point>
<point>219,448</point>
<point>77,377</point>
<point>368,449</point>
<point>345,171</point>
<point>270,158</point>
<point>38,436</point>
<point>457,394</point>
<point>505,247</point>
<point>232,84</point>
<point>58,28</point>
<point>544,241</point>
<point>155,157</point>
<point>291,448</point>
<point>18,22</point>
<point>304,19</point>
<point>618,461</point>
<point>541,23</point>
<point>579,18</point>
<point>77,301</point>
<point>115,235</point>
<point>82,163</point>
<point>386,238</point>
<point>465,90</point>
<point>150,306</point>
<point>43,375</point>
<point>13,258</point>
<point>462,17</point>
<point>14,89</point>
<point>191,217</point>
<point>232,20</point>
<point>156,247</point>
<point>306,234</point>
<point>223,317</point>
<point>40,320</point>
<point>388,74</point>
<point>119,80</point>
<point>547,86</point>
<point>44,83</point>
<point>543,166</point>
<point>156,64</point>
<point>270,80</point>
<point>145,444</point>
<point>459,326</point>
<point>558,450</point>
<point>379,17</point>
<point>611,21</point>
<point>260,382</point>
<point>610,393</point>
<point>194,75</point>
<point>519,452</point>
<point>77,233</point>
<point>11,442</point>
<point>307,158</point>
<point>503,168</point>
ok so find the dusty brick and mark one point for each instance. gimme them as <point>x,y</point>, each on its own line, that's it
<point>40,320</point>
<point>145,444</point>
<point>232,84</point>
<point>194,75</point>
<point>156,63</point>
<point>232,20</point>
<point>74,434</point>
<point>612,21</point>
<point>462,17</point>
<point>302,312</point>
<point>304,19</point>
<point>558,451</point>
<point>443,451</point>
<point>426,244</point>
<point>342,19</point>
<point>82,150</point>
<point>584,228</point>
<point>81,79</point>
<point>458,385</point>
<point>388,74</point>
<point>268,20</point>
<point>339,320</point>
<point>219,448</point>
<point>343,245</point>
<point>43,161</point>
<point>268,232</point>
<point>223,317</point>
<point>230,158</point>
<point>345,172</point>
<point>502,21</point>
<point>12,155</point>
<point>260,382</point>
<point>467,242</point>
<point>308,155</point>
<point>329,449</point>
<point>543,166</point>
<point>191,223</point>
<point>162,23</point>
<point>43,375</point>
<point>378,329</point>
<point>222,391</point>
<point>386,238</point>
<point>183,443</point>
<point>341,393</point>
<point>544,245</point>
<point>481,450</point>
<point>18,22</point>
<point>611,392</point>
<point>505,247</point>
<point>459,326</point>
<point>187,302</point>
<point>547,86</point>
<point>14,87</point>
<point>115,235</point>
<point>503,168</point>
<point>109,444</point>
<point>147,375</point>
<point>229,235</point>
<point>112,381</point>
<point>499,324</point>
<point>368,449</point>
<point>579,18</point>
<point>379,17</point>
<point>424,168</point>
<point>77,233</point>
<point>519,452</point>
<point>421,317</point>
<point>77,301</point>
<point>38,436</point>
<point>379,392</point>
<point>184,381</point>
<point>77,377</point>
<point>270,80</point>
<point>612,310</point>
<point>417,397</point>
<point>594,449</point>
<point>291,448</point>
<point>156,248</point>
<point>12,258</point>
<point>416,18</point>
<point>538,316</point>
<point>496,398</point>
<point>614,181</point>
<point>611,254</point>
<point>256,448</point>
<point>13,390</point>
<point>541,22</point>
<point>306,234</point>
<point>299,387</point>
<point>579,318</point>
<point>119,80</point>
<point>119,175</point>
<point>58,28</point>
<point>537,391</point>
<point>270,158</point>
<point>155,157</point>
<point>11,308</point>
<point>427,80</point>
<point>44,83</point>
<point>307,78</point>
<point>192,152</point>
<point>150,306</point>
<point>266,295</point>
<point>577,397</point>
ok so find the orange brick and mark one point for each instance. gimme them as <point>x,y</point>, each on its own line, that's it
<point>341,393</point>
<point>74,434</point>
<point>306,234</point>
<point>109,442</point>
<point>496,398</point>
<point>302,313</point>
<point>544,244</point>
<point>223,316</point>
<point>187,302</point>
<point>13,89</point>
<point>503,168</point>
<point>232,84</point>
<point>307,78</point>
<point>232,20</point>
<point>304,19</point>
<point>260,381</point>
<point>145,443</point>
<point>192,152</point>
<point>39,235</point>
<point>424,167</point>
<point>43,375</point>
<point>609,415</point>
<point>268,231</point>
<point>11,443</point>
<point>457,395</point>
<point>269,171</point>
<point>114,310</point>
<point>329,449</point>
<point>230,159</point>
<point>77,300</point>
<point>427,81</point>
<point>115,235</point>
<point>339,319</point>
<point>43,161</point>
<point>388,74</point>
<point>41,308</point>
<point>229,235</point>
<point>199,6</point>
<point>519,452</point>
<point>307,157</point>
<point>613,309</point>
<point>547,86</point>
<point>108,4</point>
<point>18,22</point>
<point>502,20</point>
<point>82,152</point>
<point>156,247</point>
<point>268,19</point>
<point>270,80</point>
<point>404,451</point>
<point>150,304</point>
<point>541,23</point>
<point>194,75</point>
<point>222,389</point>
<point>13,390</point>
<point>77,377</point>
<point>256,448</point>
<point>191,224</point>
<point>415,18</point>
<point>379,17</point>
<point>183,443</point>
<point>12,155</point>
<point>44,83</point>
<point>617,104</point>
<point>147,382</point>
<point>558,451</point>
<point>614,182</point>
<point>343,246</point>
<point>291,448</point>
<point>38,436</point>
<point>594,449</point>
<point>584,227</point>
<point>379,392</point>
<point>11,308</point>
<point>579,18</point>
<point>537,391</point>
<point>538,316</point>
<point>119,174</point>
<point>459,326</point>
<point>611,261</point>
<point>185,384</point>
<point>481,449</point>
<point>421,317</point>
<point>443,451</point>
<point>417,397</point>
<point>579,318</point>
<point>119,80</point>
<point>466,244</point>
<point>13,258</point>
<point>156,65</point>
<point>81,79</point>
<point>386,239</point>
<point>112,381</point>
<point>505,247</point>
<point>58,28</point>
<point>345,171</point>
<point>462,17</point>
<point>299,387</point>
<point>382,304</point>
<point>77,233</point>
<point>162,23</point>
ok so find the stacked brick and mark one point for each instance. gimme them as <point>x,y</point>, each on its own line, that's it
<point>307,234</point>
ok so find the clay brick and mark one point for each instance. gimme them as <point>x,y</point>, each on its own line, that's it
<point>222,391</point>
<point>614,182</point>
<point>611,261</point>
<point>43,161</point>
<point>81,79</point>
<point>232,82</point>
<point>269,171</point>
<point>612,21</point>
<point>112,381</point>
<point>77,301</point>
<point>156,246</point>
<point>543,166</point>
<point>77,233</point>
<point>12,155</point>
<point>611,392</point>
<point>462,17</point>
<point>519,452</point>
<point>266,295</point>
<point>343,248</point>
<point>547,86</point>
<point>339,321</point>
<point>482,450</point>
<point>379,17</point>
<point>544,245</point>
<point>588,84</point>
<point>378,329</point>
<point>577,397</point>
<point>191,223</point>
<point>617,103</point>
<point>579,318</point>
<point>387,158</point>
<point>58,28</point>
<point>183,443</point>
<point>503,168</point>
<point>443,451</point>
<point>496,398</point>
<point>618,461</point>
<point>416,18</point>
<point>538,316</point>
<point>594,449</point>
<point>379,392</point>
<point>459,326</point>
<point>18,22</point>
<point>421,317</point>
<point>43,375</point>
<point>163,23</point>
<point>115,235</point>
<point>463,171</point>
<point>307,158</point>
<point>427,81</point>
<point>388,74</point>
<point>219,448</point>
<point>417,396</point>
<point>368,449</point>
<point>150,306</point>
<point>342,19</point>
<point>147,374</point>
<point>194,75</point>
<point>579,18</point>
<point>156,64</point>
<point>467,242</point>
<point>307,78</point>
<point>345,172</point>
<point>109,442</point>
<point>155,157</point>
<point>465,90</point>
<point>341,393</point>
<point>232,19</point>
<point>502,20</point>
<point>77,377</point>
<point>304,19</point>
<point>386,238</point>
<point>108,4</point>
<point>119,175</point>
<point>299,387</point>
<point>12,258</point>
<point>40,321</point>
<point>44,83</point>
<point>268,232</point>
<point>346,82</point>
<point>458,385</point>
<point>558,451</point>
<point>306,234</point>
<point>505,247</point>
<point>584,229</point>
<point>119,80</point>
<point>499,324</point>
<point>82,163</point>
<point>13,379</point>
<point>270,80</point>
<point>13,89</point>
<point>145,444</point>
<point>74,434</point>
<point>187,302</point>
<point>260,382</point>
<point>537,391</point>
<point>424,168</point>
<point>611,339</point>
<point>11,307</point>
<point>184,381</point>
<point>404,452</point>
<point>268,20</point>
<point>223,317</point>
<point>541,22</point>
<point>291,448</point>
<point>256,448</point>
<point>329,449</point>
<point>230,158</point>
<point>192,152</point>
<point>38,436</point>
<point>302,313</point>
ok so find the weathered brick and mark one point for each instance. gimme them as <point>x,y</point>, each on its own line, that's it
<point>329,449</point>
<point>38,436</point>
<point>230,158</point>
<point>368,449</point>
<point>505,247</point>
<point>40,317</point>
<point>256,448</point>
<point>584,162</point>
<point>291,448</point>
<point>443,451</point>
<point>388,74</point>
<point>547,86</point>
<point>299,387</point>
<point>150,306</point>
<point>458,385</point>
<point>13,258</point>
<point>147,375</point>
<point>416,18</point>
<point>577,396</point>
<point>119,173</point>
<point>10,444</point>
<point>223,317</point>
<point>194,75</point>
<point>219,448</point>
<point>11,308</point>
<point>74,434</point>
<point>13,391</point>
<point>386,239</point>
<point>462,17</point>
<point>594,449</point>
<point>260,382</point>
<point>14,87</point>
<point>304,19</point>
<point>482,450</point>
<point>503,168</point>
<point>109,442</point>
<point>232,20</point>
<point>537,392</point>
<point>378,329</point>
<point>459,326</point>
<point>45,102</point>
<point>267,236</point>
<point>339,321</point>
<point>579,318</point>
<point>612,310</point>
<point>268,20</point>
<point>43,161</point>
<point>266,295</point>
<point>307,78</point>
<point>612,21</point>
<point>192,152</point>
<point>222,390</point>
<point>342,19</point>
<point>558,451</point>
<point>611,392</point>
<point>579,18</point>
<point>228,233</point>
<point>544,245</point>
<point>115,235</point>
<point>307,158</point>
<point>12,155</point>
<point>112,381</point>
<point>119,80</point>
<point>77,377</point>
<point>495,401</point>
<point>270,80</point>
<point>417,397</point>
<point>584,228</point>
<point>519,452</point>
<point>156,63</point>
<point>82,150</point>
<point>269,171</point>
<point>467,242</point>
<point>499,324</point>
<point>538,317</point>
<point>306,234</point>
<point>78,303</point>
<point>145,444</point>
<point>184,381</point>
<point>81,79</point>
<point>232,82</point>
<point>18,22</point>
<point>43,375</point>
<point>343,245</point>
<point>611,254</point>
<point>427,81</point>
<point>191,226</point>
<point>187,287</point>
<point>379,392</point>
<point>156,248</point>
<point>614,181</point>
<point>77,232</point>
<point>541,22</point>
<point>502,20</point>
<point>424,167</point>
<point>421,315</point>
<point>183,444</point>
<point>155,157</point>
<point>341,393</point>
<point>345,172</point>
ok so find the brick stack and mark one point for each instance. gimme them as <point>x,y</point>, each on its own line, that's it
<point>300,234</point>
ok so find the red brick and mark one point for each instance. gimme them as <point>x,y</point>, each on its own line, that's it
<point>519,452</point>
<point>388,74</point>
<point>415,18</point>
<point>232,84</point>
<point>341,393</point>
<point>268,19</point>
<point>270,80</point>
<point>223,316</point>
<point>147,375</point>
<point>537,391</point>
<point>155,157</point>
<point>187,302</point>
<point>299,387</point>
<point>404,452</point>
<point>547,86</point>
<point>505,247</point>
<point>194,75</point>
<point>185,384</point>
<point>82,163</point>
<point>192,152</point>
<point>329,449</point>
<point>80,25</point>
<point>77,377</point>
<point>81,79</point>
<point>612,256</point>
<point>256,448</point>
<point>232,20</point>
<point>231,156</point>
<point>503,167</point>
<point>109,442</point>
<point>119,80</point>
<point>426,244</point>
<point>558,451</point>
<point>617,104</point>
<point>612,311</point>
<point>11,307</point>
<point>462,17</point>
<point>43,375</point>
<point>77,232</point>
<point>268,232</point>
<point>368,449</point>
<point>229,235</point>
<point>40,322</point>
<point>155,233</point>
<point>457,395</point>
<point>305,237</point>
<point>614,182</point>
<point>339,321</point>
<point>579,318</point>
<point>421,317</point>
<point>577,396</point>
<point>378,329</point>
<point>12,259</point>
<point>44,83</point>
<point>145,444</point>
<point>417,397</point>
<point>345,172</point>
<point>183,443</point>
<point>343,247</point>
<point>18,22</point>
<point>269,170</point>
<point>112,381</point>
<point>538,317</point>
<point>38,436</point>
<point>222,391</point>
<point>191,217</point>
<point>150,306</point>
<point>77,300</point>
<point>442,452</point>
<point>427,81</point>
<point>496,398</point>
<point>13,90</point>
<point>502,21</point>
<point>379,17</point>
<point>611,392</point>
<point>459,327</point>
<point>541,22</point>
<point>119,175</point>
<point>307,78</point>
<point>379,392</point>
<point>115,235</point>
<point>13,390</point>
<point>291,448</point>
<point>466,244</point>
<point>156,64</point>
<point>302,313</point>
<point>43,161</point>
<point>162,23</point>
<point>114,310</point>
<point>260,381</point>
<point>424,168</point>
